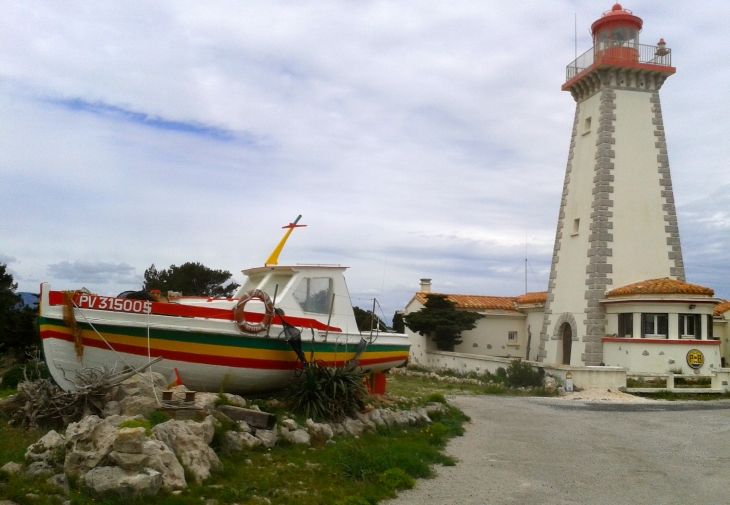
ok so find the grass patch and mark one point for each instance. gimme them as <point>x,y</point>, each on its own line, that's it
<point>138,423</point>
<point>668,395</point>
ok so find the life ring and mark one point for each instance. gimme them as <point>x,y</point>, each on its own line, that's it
<point>240,316</point>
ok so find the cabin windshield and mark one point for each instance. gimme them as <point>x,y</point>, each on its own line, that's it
<point>313,294</point>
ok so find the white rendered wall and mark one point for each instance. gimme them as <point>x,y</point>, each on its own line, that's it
<point>640,249</point>
<point>491,336</point>
<point>640,355</point>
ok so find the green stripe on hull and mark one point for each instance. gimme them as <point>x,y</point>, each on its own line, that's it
<point>242,341</point>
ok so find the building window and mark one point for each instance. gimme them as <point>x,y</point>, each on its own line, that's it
<point>689,326</point>
<point>626,325</point>
<point>654,325</point>
<point>576,226</point>
<point>512,336</point>
<point>710,334</point>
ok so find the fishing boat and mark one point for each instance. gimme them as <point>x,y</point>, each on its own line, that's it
<point>252,342</point>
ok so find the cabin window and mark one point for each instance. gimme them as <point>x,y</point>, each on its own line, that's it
<point>313,294</point>
<point>689,326</point>
<point>626,325</point>
<point>654,325</point>
<point>512,336</point>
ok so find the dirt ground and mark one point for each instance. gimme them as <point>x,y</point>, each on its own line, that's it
<point>585,448</point>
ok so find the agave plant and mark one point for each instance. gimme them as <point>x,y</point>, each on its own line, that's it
<point>326,393</point>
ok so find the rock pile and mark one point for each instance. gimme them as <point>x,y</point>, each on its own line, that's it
<point>118,452</point>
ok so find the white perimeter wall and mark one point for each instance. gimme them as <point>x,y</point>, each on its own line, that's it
<point>639,355</point>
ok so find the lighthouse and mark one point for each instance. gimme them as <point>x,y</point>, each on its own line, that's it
<point>617,224</point>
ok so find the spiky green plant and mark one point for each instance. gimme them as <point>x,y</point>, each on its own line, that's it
<point>326,393</point>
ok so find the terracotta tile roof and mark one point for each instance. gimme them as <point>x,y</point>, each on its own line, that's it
<point>665,286</point>
<point>722,308</point>
<point>531,298</point>
<point>474,301</point>
<point>489,302</point>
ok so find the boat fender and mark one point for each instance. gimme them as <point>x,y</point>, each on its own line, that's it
<point>240,316</point>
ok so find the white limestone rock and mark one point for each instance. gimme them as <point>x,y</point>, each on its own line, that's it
<point>60,482</point>
<point>354,427</point>
<point>297,437</point>
<point>289,424</point>
<point>11,468</point>
<point>138,405</point>
<point>112,408</point>
<point>51,449</point>
<point>205,429</point>
<point>267,437</point>
<point>130,440</point>
<point>235,400</point>
<point>39,468</point>
<point>320,430</point>
<point>244,427</point>
<point>191,450</point>
<point>338,429</point>
<point>146,384</point>
<point>89,441</point>
<point>113,479</point>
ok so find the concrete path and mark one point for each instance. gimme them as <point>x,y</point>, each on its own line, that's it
<point>554,451</point>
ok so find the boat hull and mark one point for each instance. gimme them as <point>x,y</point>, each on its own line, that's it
<point>213,358</point>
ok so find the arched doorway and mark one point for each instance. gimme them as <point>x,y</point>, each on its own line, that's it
<point>567,343</point>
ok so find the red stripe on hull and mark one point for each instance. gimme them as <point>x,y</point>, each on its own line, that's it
<point>180,310</point>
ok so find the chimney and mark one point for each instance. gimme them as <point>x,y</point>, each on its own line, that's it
<point>425,285</point>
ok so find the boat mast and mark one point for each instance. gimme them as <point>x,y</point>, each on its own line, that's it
<point>274,258</point>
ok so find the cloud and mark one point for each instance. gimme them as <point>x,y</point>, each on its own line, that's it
<point>122,114</point>
<point>4,258</point>
<point>98,272</point>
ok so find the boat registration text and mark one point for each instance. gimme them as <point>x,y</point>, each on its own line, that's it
<point>115,304</point>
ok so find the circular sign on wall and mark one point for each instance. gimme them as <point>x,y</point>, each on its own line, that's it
<point>695,358</point>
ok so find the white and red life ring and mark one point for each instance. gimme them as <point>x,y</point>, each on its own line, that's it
<point>240,316</point>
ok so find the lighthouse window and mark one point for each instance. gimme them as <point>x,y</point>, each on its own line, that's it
<point>689,325</point>
<point>576,226</point>
<point>313,294</point>
<point>654,325</point>
<point>586,125</point>
<point>626,325</point>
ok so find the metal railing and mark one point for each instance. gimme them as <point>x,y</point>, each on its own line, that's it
<point>637,53</point>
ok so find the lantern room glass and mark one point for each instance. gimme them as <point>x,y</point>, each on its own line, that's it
<point>619,36</point>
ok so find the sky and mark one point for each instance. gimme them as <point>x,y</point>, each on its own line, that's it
<point>417,139</point>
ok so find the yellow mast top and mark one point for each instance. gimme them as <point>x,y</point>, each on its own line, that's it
<point>274,258</point>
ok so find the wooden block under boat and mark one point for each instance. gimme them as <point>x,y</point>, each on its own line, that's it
<point>254,418</point>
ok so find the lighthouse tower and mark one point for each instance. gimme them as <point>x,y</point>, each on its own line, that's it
<point>617,223</point>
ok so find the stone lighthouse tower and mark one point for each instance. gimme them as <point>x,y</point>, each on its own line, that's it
<point>617,223</point>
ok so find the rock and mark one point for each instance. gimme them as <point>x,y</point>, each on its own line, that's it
<point>436,407</point>
<point>204,430</point>
<point>11,468</point>
<point>7,502</point>
<point>146,384</point>
<point>298,437</point>
<point>51,448</point>
<point>112,479</point>
<point>561,390</point>
<point>60,482</point>
<point>206,401</point>
<point>243,427</point>
<point>374,416</point>
<point>232,441</point>
<point>550,384</point>
<point>289,424</point>
<point>421,414</point>
<point>161,458</point>
<point>255,407</point>
<point>338,430</point>
<point>88,442</point>
<point>129,461</point>
<point>138,405</point>
<point>320,430</point>
<point>249,441</point>
<point>192,451</point>
<point>235,400</point>
<point>39,468</point>
<point>267,437</point>
<point>112,408</point>
<point>354,427</point>
<point>130,440</point>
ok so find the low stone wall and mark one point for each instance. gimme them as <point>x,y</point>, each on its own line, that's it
<point>602,377</point>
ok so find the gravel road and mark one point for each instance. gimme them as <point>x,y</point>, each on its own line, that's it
<point>522,450</point>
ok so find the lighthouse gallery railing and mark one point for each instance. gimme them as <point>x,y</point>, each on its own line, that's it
<point>638,53</point>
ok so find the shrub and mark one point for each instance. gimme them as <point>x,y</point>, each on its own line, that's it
<point>434,398</point>
<point>501,374</point>
<point>439,432</point>
<point>396,479</point>
<point>327,393</point>
<point>14,376</point>
<point>520,374</point>
<point>159,417</point>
